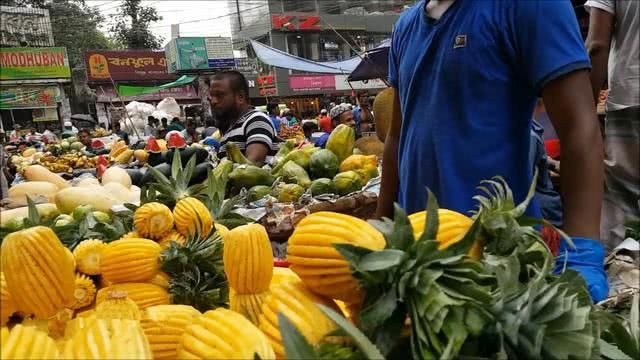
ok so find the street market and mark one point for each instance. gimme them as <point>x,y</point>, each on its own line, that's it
<point>219,197</point>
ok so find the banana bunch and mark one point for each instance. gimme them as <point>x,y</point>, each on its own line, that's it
<point>120,153</point>
<point>67,162</point>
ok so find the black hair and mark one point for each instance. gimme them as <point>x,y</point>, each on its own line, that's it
<point>309,126</point>
<point>272,106</point>
<point>237,81</point>
<point>84,131</point>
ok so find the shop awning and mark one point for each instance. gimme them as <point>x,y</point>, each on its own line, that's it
<point>128,90</point>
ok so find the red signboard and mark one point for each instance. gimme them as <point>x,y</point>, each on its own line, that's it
<point>106,93</point>
<point>312,82</point>
<point>295,22</point>
<point>126,65</point>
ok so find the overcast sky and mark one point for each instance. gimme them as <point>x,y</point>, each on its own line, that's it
<point>197,18</point>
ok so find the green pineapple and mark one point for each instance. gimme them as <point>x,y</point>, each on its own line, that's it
<point>197,272</point>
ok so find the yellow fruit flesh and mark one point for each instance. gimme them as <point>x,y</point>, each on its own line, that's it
<point>248,260</point>
<point>164,325</point>
<point>452,228</point>
<point>130,260</point>
<point>153,220</point>
<point>192,217</point>
<point>87,256</point>
<point>7,307</point>
<point>84,292</point>
<point>26,342</point>
<point>143,294</point>
<point>116,305</point>
<point>109,339</point>
<point>39,272</point>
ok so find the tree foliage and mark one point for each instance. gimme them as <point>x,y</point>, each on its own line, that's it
<point>131,28</point>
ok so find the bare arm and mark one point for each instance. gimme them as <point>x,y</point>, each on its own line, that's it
<point>256,153</point>
<point>389,184</point>
<point>598,44</point>
<point>570,107</point>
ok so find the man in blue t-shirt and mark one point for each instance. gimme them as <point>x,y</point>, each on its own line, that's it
<point>467,74</point>
<point>273,110</point>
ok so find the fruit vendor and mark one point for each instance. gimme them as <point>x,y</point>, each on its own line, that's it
<point>466,75</point>
<point>251,130</point>
<point>340,114</point>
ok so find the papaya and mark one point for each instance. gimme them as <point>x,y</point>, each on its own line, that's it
<point>341,141</point>
<point>365,166</point>
<point>248,176</point>
<point>323,164</point>
<point>322,186</point>
<point>347,182</point>
<point>297,156</point>
<point>222,170</point>
<point>290,192</point>
<point>285,148</point>
<point>293,173</point>
<point>234,154</point>
<point>258,192</point>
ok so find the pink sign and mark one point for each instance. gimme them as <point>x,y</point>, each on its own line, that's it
<point>312,82</point>
<point>106,93</point>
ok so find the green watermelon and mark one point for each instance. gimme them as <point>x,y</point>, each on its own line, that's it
<point>323,164</point>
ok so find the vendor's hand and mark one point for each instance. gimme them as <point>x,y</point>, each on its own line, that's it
<point>588,259</point>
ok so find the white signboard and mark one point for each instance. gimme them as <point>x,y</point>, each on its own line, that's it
<point>343,84</point>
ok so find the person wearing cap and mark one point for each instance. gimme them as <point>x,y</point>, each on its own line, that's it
<point>324,123</point>
<point>339,114</point>
<point>15,134</point>
<point>465,98</point>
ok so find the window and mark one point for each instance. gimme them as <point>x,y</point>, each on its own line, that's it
<point>299,6</point>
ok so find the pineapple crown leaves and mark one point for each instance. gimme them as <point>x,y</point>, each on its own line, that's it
<point>201,290</point>
<point>171,190</point>
<point>443,291</point>
<point>297,347</point>
<point>203,253</point>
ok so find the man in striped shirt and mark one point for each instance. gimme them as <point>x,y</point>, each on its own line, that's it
<point>251,130</point>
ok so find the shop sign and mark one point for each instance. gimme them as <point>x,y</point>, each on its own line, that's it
<point>45,114</point>
<point>343,84</point>
<point>284,22</point>
<point>22,26</point>
<point>34,63</point>
<point>126,65</point>
<point>199,53</point>
<point>247,65</point>
<point>24,97</point>
<point>106,93</point>
<point>312,82</point>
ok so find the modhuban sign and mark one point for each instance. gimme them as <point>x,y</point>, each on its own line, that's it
<point>34,63</point>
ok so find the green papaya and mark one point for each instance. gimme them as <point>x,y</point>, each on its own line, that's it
<point>248,176</point>
<point>290,192</point>
<point>225,166</point>
<point>310,149</point>
<point>285,148</point>
<point>341,141</point>
<point>297,156</point>
<point>322,186</point>
<point>323,164</point>
<point>293,173</point>
<point>347,182</point>
<point>258,192</point>
<point>234,154</point>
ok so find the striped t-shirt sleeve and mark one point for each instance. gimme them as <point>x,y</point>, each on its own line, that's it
<point>259,129</point>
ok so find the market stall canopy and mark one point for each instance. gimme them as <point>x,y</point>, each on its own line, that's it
<point>128,90</point>
<point>279,58</point>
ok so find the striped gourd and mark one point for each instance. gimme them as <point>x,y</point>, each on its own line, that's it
<point>87,256</point>
<point>109,339</point>
<point>248,259</point>
<point>153,220</point>
<point>163,325</point>
<point>39,272</point>
<point>143,294</point>
<point>452,227</point>
<point>7,307</point>
<point>192,217</point>
<point>298,304</point>
<point>312,256</point>
<point>27,342</point>
<point>84,292</point>
<point>130,260</point>
<point>223,334</point>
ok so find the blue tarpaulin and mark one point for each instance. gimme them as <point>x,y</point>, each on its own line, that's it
<point>371,65</point>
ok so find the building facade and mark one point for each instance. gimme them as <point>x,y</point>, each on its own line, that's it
<point>318,30</point>
<point>33,73</point>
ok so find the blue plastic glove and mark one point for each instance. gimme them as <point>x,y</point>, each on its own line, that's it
<point>587,259</point>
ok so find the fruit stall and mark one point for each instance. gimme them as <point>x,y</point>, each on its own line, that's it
<point>168,253</point>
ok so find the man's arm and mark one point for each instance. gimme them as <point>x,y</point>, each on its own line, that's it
<point>570,107</point>
<point>256,153</point>
<point>598,43</point>
<point>389,184</point>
